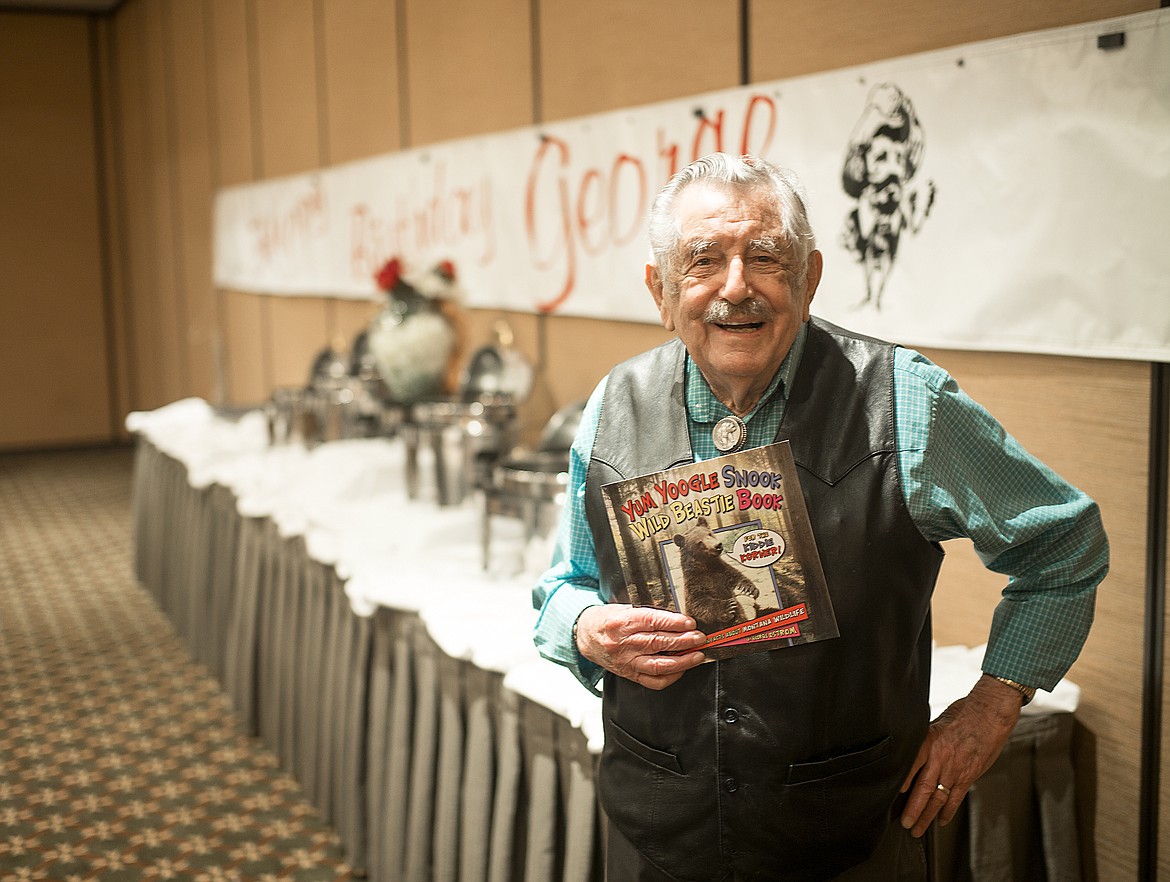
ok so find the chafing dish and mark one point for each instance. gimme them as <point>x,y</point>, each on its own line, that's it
<point>467,434</point>
<point>464,439</point>
<point>530,484</point>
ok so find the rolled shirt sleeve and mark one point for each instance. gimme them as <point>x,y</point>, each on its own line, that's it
<point>572,582</point>
<point>964,475</point>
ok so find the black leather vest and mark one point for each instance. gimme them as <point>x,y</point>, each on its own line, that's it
<point>783,764</point>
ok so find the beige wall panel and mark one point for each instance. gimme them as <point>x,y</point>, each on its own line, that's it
<point>612,53</point>
<point>288,119</point>
<point>1086,419</point>
<point>804,36</point>
<point>233,152</point>
<point>52,320</point>
<point>137,223</point>
<point>235,160</point>
<point>163,232</point>
<point>246,328</point>
<point>300,330</point>
<point>191,158</point>
<point>156,228</point>
<point>114,265</point>
<point>581,352</point>
<point>461,80</point>
<point>346,318</point>
<point>361,89</point>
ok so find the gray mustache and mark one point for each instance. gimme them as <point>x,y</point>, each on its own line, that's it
<point>721,312</point>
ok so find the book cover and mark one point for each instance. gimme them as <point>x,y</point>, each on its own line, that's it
<point>728,542</point>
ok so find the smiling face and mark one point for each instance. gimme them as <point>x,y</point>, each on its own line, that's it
<point>734,294</point>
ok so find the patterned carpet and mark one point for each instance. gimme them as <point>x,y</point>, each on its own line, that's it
<point>120,759</point>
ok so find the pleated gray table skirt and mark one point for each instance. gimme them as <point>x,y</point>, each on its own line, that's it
<point>427,767</point>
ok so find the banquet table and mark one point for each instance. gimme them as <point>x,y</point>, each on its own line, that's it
<point>364,637</point>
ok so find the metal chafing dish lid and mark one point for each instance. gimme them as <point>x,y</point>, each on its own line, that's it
<point>534,474</point>
<point>561,429</point>
<point>543,473</point>
<point>552,455</point>
<point>328,366</point>
<point>498,370</point>
<point>450,411</point>
<point>550,461</point>
<point>361,359</point>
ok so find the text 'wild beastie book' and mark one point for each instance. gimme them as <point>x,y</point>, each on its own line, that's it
<point>728,542</point>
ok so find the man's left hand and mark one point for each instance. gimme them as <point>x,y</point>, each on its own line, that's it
<point>960,746</point>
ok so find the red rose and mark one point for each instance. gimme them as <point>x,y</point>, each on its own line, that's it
<point>447,270</point>
<point>388,276</point>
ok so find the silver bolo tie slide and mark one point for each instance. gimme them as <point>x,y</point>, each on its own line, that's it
<point>729,434</point>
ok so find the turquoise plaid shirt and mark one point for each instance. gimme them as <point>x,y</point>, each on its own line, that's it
<point>962,475</point>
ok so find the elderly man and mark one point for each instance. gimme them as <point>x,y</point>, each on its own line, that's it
<point>815,761</point>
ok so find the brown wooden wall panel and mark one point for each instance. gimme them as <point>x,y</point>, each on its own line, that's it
<point>52,318</point>
<point>246,337</point>
<point>461,83</point>
<point>347,318</point>
<point>573,345</point>
<point>230,63</point>
<point>147,205</point>
<point>610,54</point>
<point>300,330</point>
<point>170,352</point>
<point>289,119</point>
<point>235,159</point>
<point>804,36</point>
<point>191,152</point>
<point>113,263</point>
<point>136,219</point>
<point>1087,419</point>
<point>359,40</point>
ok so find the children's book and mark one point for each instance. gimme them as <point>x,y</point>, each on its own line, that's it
<point>728,542</point>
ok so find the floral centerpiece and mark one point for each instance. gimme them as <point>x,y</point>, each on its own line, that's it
<point>416,338</point>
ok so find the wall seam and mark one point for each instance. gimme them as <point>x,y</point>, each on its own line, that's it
<point>540,369</point>
<point>179,261</point>
<point>267,366</point>
<point>537,62</point>
<point>324,151</point>
<point>404,134</point>
<point>1158,475</point>
<point>745,43</point>
<point>324,148</point>
<point>219,344</point>
<point>133,386</point>
<point>100,128</point>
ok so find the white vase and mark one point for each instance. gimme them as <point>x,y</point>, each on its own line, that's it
<point>411,342</point>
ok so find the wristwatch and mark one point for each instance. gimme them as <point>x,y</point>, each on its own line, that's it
<point>1028,692</point>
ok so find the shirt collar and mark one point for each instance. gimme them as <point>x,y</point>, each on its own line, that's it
<point>704,407</point>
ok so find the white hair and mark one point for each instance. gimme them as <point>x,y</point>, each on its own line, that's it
<point>744,173</point>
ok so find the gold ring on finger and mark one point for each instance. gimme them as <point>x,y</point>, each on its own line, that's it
<point>945,790</point>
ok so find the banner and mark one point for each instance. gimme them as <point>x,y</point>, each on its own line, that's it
<point>1006,195</point>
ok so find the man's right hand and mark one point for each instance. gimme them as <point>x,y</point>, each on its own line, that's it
<point>630,640</point>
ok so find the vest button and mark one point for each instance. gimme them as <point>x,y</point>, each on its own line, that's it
<point>731,784</point>
<point>730,715</point>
